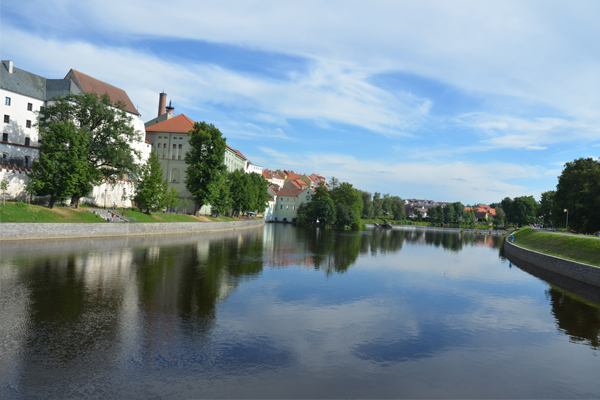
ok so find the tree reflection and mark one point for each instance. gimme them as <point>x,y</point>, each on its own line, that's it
<point>578,319</point>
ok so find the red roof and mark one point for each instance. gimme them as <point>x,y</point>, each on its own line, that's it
<point>93,85</point>
<point>290,192</point>
<point>178,124</point>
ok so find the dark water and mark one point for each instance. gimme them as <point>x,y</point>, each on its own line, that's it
<point>282,312</point>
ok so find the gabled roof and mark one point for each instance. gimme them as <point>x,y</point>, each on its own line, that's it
<point>178,124</point>
<point>93,85</point>
<point>290,192</point>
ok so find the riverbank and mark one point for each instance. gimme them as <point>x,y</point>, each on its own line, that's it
<point>37,231</point>
<point>575,248</point>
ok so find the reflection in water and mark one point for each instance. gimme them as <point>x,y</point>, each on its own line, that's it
<point>239,314</point>
<point>578,319</point>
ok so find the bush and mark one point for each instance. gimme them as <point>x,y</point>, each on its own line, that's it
<point>22,205</point>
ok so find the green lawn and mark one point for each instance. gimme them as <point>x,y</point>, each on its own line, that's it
<point>21,212</point>
<point>576,248</point>
<point>159,217</point>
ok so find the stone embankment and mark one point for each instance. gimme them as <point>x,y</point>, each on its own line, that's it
<point>440,229</point>
<point>29,231</point>
<point>586,273</point>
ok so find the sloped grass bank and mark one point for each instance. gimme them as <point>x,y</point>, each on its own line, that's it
<point>21,212</point>
<point>575,248</point>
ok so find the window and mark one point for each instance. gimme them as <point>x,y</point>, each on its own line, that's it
<point>5,155</point>
<point>27,141</point>
<point>174,146</point>
<point>281,207</point>
<point>173,157</point>
<point>7,101</point>
<point>6,119</point>
<point>28,124</point>
<point>293,207</point>
<point>29,107</point>
<point>5,137</point>
<point>179,157</point>
<point>160,137</point>
<point>181,138</point>
<point>27,161</point>
<point>159,145</point>
<point>287,207</point>
<point>180,146</point>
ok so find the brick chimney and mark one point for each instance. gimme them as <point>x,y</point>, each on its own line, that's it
<point>162,103</point>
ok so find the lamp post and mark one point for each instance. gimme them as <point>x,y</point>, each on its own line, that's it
<point>105,190</point>
<point>567,211</point>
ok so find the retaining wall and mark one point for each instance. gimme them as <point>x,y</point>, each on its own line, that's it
<point>28,231</point>
<point>582,272</point>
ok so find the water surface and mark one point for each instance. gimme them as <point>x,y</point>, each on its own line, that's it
<point>281,312</point>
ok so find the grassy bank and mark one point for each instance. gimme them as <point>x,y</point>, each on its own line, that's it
<point>21,212</point>
<point>576,248</point>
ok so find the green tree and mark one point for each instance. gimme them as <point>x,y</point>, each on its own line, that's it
<point>448,214</point>
<point>151,192</point>
<point>108,133</point>
<point>367,205</point>
<point>172,201</point>
<point>578,190</point>
<point>499,217</point>
<point>4,187</point>
<point>547,205</point>
<point>63,166</point>
<point>386,204</point>
<point>222,202</point>
<point>260,196</point>
<point>377,205</point>
<point>205,163</point>
<point>524,210</point>
<point>319,208</point>
<point>240,191</point>
<point>398,209</point>
<point>506,205</point>
<point>459,211</point>
<point>348,197</point>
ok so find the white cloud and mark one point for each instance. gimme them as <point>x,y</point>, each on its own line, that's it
<point>328,92</point>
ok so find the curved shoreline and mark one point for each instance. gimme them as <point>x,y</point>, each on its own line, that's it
<point>40,231</point>
<point>582,272</point>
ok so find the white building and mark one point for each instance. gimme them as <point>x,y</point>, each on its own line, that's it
<point>250,168</point>
<point>23,93</point>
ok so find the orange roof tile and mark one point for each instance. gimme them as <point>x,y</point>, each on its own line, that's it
<point>178,124</point>
<point>290,192</point>
<point>93,85</point>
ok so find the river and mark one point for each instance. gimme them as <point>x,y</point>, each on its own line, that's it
<point>285,312</point>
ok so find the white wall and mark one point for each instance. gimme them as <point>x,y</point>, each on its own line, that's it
<point>17,129</point>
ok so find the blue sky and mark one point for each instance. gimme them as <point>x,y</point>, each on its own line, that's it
<point>447,100</point>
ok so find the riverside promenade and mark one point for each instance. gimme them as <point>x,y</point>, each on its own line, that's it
<point>39,231</point>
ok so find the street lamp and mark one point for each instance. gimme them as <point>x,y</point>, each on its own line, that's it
<point>567,211</point>
<point>105,190</point>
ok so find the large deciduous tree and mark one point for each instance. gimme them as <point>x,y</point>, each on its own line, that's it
<point>349,205</point>
<point>63,167</point>
<point>108,134</point>
<point>578,190</point>
<point>205,163</point>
